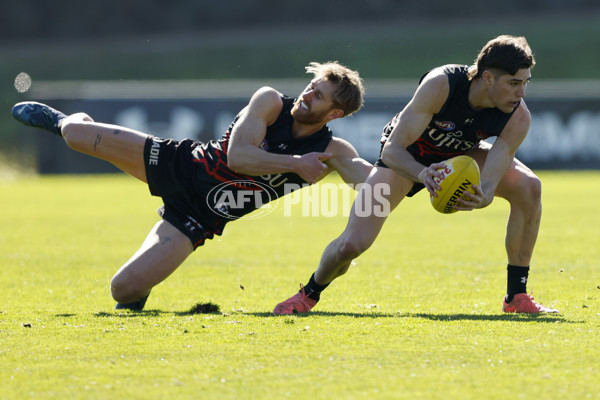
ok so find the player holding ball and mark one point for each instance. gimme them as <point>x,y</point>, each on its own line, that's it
<point>454,108</point>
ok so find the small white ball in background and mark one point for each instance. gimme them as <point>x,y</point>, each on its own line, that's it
<point>22,82</point>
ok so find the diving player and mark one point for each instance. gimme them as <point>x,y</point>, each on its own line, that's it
<point>273,140</point>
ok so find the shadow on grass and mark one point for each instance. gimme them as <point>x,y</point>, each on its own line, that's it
<point>157,313</point>
<point>150,313</point>
<point>325,314</point>
<point>548,318</point>
<point>199,308</point>
<point>544,318</point>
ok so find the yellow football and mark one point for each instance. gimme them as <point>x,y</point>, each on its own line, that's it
<point>460,174</point>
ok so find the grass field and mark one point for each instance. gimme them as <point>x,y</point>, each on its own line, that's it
<point>417,317</point>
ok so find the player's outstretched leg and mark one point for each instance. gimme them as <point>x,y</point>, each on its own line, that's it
<point>523,303</point>
<point>38,115</point>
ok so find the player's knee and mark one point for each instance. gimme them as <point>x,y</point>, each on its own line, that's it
<point>73,129</point>
<point>527,192</point>
<point>117,289</point>
<point>536,187</point>
<point>531,189</point>
<point>124,290</point>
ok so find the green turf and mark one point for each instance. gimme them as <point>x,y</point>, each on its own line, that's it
<point>417,317</point>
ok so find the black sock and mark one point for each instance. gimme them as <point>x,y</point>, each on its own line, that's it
<point>516,281</point>
<point>313,289</point>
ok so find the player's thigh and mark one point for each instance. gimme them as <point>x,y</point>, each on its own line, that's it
<point>163,251</point>
<point>376,199</point>
<point>520,185</point>
<point>123,147</point>
<point>519,181</point>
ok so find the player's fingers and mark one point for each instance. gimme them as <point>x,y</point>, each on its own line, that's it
<point>431,191</point>
<point>433,182</point>
<point>434,169</point>
<point>466,204</point>
<point>468,196</point>
<point>478,190</point>
<point>430,184</point>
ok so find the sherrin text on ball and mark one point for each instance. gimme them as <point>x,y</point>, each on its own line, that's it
<point>459,175</point>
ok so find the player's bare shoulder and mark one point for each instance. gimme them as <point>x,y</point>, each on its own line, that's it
<point>436,76</point>
<point>266,102</point>
<point>519,122</point>
<point>433,91</point>
<point>522,113</point>
<point>267,93</point>
<point>517,127</point>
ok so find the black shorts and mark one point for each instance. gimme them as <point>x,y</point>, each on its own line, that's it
<point>170,173</point>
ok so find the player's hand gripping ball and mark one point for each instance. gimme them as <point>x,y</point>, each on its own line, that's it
<point>460,174</point>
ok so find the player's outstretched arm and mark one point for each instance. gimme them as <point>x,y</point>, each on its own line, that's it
<point>346,161</point>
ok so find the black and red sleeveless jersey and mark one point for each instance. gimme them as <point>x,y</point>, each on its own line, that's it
<point>457,127</point>
<point>232,194</point>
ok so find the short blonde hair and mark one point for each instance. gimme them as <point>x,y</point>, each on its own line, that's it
<point>349,93</point>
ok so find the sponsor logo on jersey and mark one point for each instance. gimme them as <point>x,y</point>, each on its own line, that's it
<point>445,125</point>
<point>450,140</point>
<point>264,145</point>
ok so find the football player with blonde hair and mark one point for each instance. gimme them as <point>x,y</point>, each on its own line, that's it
<point>274,139</point>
